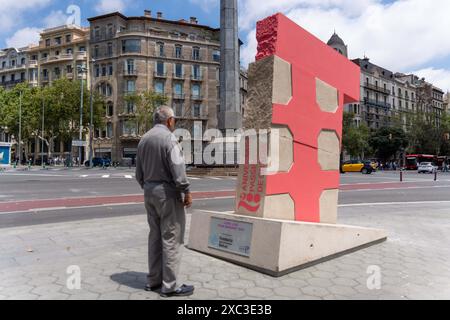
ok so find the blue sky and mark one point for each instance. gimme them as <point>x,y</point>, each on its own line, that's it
<point>401,35</point>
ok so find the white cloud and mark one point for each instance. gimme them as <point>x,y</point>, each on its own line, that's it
<point>205,5</point>
<point>23,37</point>
<point>401,36</point>
<point>438,77</point>
<point>13,11</point>
<point>108,6</point>
<point>55,19</point>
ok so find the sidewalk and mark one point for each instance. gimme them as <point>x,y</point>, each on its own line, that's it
<point>112,255</point>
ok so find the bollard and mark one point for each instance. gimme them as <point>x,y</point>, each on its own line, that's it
<point>401,176</point>
<point>435,175</point>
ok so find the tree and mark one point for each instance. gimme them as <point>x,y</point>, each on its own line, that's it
<point>145,104</point>
<point>355,139</point>
<point>387,141</point>
<point>61,101</point>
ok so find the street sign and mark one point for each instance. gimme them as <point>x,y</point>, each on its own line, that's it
<point>79,143</point>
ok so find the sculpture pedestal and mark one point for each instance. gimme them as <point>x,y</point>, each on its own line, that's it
<point>275,247</point>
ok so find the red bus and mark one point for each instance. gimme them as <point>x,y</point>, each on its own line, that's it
<point>413,160</point>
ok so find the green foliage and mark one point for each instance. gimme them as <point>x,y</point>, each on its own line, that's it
<point>145,103</point>
<point>355,140</point>
<point>61,105</point>
<point>387,141</point>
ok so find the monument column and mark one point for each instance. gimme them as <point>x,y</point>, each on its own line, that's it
<point>229,116</point>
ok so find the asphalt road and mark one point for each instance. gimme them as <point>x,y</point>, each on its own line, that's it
<point>18,188</point>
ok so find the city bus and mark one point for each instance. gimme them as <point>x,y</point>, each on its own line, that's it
<point>413,160</point>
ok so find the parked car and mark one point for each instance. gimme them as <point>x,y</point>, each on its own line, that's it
<point>99,162</point>
<point>427,167</point>
<point>365,167</point>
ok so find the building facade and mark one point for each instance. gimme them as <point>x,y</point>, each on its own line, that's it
<point>388,97</point>
<point>177,59</point>
<point>122,56</point>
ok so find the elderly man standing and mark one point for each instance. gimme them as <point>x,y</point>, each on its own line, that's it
<point>161,172</point>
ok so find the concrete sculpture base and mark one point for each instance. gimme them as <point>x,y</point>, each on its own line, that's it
<point>278,247</point>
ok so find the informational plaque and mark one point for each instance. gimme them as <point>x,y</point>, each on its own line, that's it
<point>231,236</point>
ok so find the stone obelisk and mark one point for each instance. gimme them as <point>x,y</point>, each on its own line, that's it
<point>229,115</point>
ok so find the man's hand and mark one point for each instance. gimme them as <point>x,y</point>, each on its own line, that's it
<point>187,200</point>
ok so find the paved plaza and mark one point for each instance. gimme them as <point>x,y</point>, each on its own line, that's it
<point>111,253</point>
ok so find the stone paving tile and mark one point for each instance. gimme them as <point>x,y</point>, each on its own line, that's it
<point>115,266</point>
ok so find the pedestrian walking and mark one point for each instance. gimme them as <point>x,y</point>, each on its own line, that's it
<point>161,172</point>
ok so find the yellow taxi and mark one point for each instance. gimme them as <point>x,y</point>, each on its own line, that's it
<point>366,167</point>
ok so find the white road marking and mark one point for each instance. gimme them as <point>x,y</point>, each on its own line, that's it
<point>128,176</point>
<point>84,176</point>
<point>105,176</point>
<point>193,178</point>
<point>215,178</point>
<point>391,203</point>
<point>390,189</point>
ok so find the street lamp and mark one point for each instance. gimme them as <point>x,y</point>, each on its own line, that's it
<point>91,124</point>
<point>81,70</point>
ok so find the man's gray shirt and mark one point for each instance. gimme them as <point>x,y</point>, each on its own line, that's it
<point>160,160</point>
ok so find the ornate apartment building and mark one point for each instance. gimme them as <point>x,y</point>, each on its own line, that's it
<point>385,94</point>
<point>59,52</point>
<point>178,59</point>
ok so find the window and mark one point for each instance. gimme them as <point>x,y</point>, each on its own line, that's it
<point>47,42</point>
<point>131,46</point>
<point>178,108</point>
<point>82,49</point>
<point>160,68</point>
<point>178,70</point>
<point>3,64</point>
<point>196,110</point>
<point>159,87</point>
<point>216,55</point>
<point>97,33</point>
<point>178,89</point>
<point>178,51</point>
<point>103,70</point>
<point>69,68</point>
<point>13,63</point>
<point>130,107</point>
<point>196,91</point>
<point>109,109</point>
<point>22,76</point>
<point>57,53</point>
<point>22,61</point>
<point>110,31</point>
<point>129,127</point>
<point>110,49</point>
<point>160,48</point>
<point>97,70</point>
<point>130,66</point>
<point>131,86</point>
<point>196,72</point>
<point>69,51</point>
<point>96,52</point>
<point>3,78</point>
<point>110,69</point>
<point>58,40</point>
<point>13,77</point>
<point>109,130</point>
<point>68,38</point>
<point>195,53</point>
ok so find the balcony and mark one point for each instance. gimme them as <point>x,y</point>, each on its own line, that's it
<point>377,103</point>
<point>160,74</point>
<point>178,76</point>
<point>177,96</point>
<point>81,55</point>
<point>130,72</point>
<point>178,56</point>
<point>196,77</point>
<point>32,64</point>
<point>12,82</point>
<point>196,97</point>
<point>69,75</point>
<point>377,88</point>
<point>197,58</point>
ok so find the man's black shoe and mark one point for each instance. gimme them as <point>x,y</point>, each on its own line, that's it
<point>154,288</point>
<point>182,291</point>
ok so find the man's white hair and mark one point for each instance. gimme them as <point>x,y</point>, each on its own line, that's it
<point>162,114</point>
